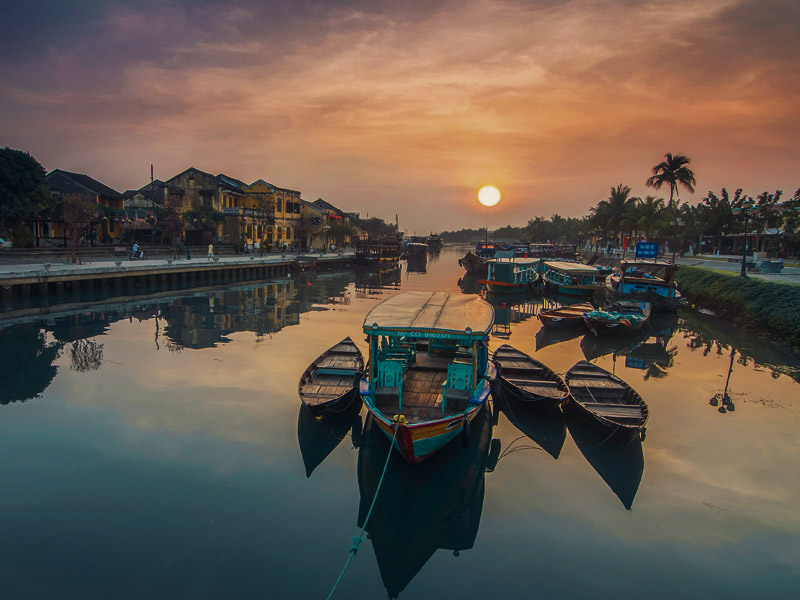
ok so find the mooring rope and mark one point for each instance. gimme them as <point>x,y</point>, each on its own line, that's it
<point>360,537</point>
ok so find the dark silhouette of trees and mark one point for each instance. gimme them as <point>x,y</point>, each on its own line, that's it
<point>22,194</point>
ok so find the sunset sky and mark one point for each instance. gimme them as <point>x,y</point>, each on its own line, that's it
<point>409,107</point>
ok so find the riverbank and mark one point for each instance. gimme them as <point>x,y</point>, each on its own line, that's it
<point>771,307</point>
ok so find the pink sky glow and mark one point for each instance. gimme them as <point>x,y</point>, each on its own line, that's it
<point>410,107</point>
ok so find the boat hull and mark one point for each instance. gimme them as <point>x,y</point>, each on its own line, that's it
<point>419,441</point>
<point>473,264</point>
<point>619,433</point>
<point>658,302</point>
<point>535,401</point>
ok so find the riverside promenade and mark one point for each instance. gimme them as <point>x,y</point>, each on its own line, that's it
<point>109,274</point>
<point>733,264</point>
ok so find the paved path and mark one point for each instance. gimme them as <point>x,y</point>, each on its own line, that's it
<point>721,263</point>
<point>105,262</point>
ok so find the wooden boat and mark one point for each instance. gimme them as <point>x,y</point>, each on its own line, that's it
<point>511,275</point>
<point>606,402</point>
<point>647,281</point>
<point>620,465</point>
<point>573,278</point>
<point>429,371</point>
<point>319,437</point>
<point>621,317</point>
<point>420,509</point>
<point>474,264</point>
<point>528,380</point>
<point>329,384</point>
<point>565,316</point>
<point>546,429</point>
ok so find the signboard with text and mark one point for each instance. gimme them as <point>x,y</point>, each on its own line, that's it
<point>647,250</point>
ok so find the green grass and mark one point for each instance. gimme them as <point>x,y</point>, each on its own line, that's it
<point>770,307</point>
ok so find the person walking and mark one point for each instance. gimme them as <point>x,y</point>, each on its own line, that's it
<point>211,252</point>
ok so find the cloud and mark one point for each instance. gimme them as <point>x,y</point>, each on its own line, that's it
<point>376,105</point>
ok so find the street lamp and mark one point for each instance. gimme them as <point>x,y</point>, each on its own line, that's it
<point>745,208</point>
<point>678,222</point>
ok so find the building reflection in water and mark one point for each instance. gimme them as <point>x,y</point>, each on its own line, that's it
<point>372,283</point>
<point>423,508</point>
<point>194,320</point>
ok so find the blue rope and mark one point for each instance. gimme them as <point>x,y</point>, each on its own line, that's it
<point>360,538</point>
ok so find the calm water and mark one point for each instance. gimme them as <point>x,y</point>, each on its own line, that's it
<point>154,450</point>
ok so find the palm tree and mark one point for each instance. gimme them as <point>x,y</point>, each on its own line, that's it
<point>652,215</point>
<point>673,171</point>
<point>609,214</point>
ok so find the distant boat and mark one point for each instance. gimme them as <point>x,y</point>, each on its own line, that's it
<point>565,316</point>
<point>319,437</point>
<point>511,275</point>
<point>620,465</point>
<point>434,242</point>
<point>526,379</point>
<point>606,402</point>
<point>329,384</point>
<point>621,317</point>
<point>649,281</point>
<point>573,278</point>
<point>546,429</point>
<point>429,373</point>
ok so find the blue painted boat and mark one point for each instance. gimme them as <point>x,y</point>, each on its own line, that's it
<point>511,275</point>
<point>650,281</point>
<point>573,278</point>
<point>429,372</point>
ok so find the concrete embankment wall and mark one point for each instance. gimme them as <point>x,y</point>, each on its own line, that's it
<point>768,307</point>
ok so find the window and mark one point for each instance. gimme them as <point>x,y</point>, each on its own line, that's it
<point>278,205</point>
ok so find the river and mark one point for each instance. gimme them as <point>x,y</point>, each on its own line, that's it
<point>152,448</point>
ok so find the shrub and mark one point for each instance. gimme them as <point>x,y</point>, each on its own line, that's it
<point>768,306</point>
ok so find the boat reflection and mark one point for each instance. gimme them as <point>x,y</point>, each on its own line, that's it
<point>620,465</point>
<point>469,284</point>
<point>648,350</point>
<point>319,437</point>
<point>371,283</point>
<point>510,309</point>
<point>417,264</point>
<point>548,336</point>
<point>546,429</point>
<point>422,508</point>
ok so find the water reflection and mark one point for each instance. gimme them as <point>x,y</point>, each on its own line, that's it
<point>422,508</point>
<point>372,283</point>
<point>546,429</point>
<point>26,368</point>
<point>319,437</point>
<point>510,309</point>
<point>707,333</point>
<point>620,465</point>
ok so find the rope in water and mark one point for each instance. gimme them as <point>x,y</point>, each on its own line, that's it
<point>360,538</point>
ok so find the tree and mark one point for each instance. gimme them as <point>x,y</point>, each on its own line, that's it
<point>609,214</point>
<point>77,210</point>
<point>22,193</point>
<point>171,223</point>
<point>674,171</point>
<point>716,213</point>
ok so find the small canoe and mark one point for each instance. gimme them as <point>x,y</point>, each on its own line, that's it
<point>526,379</point>
<point>606,402</point>
<point>565,316</point>
<point>330,383</point>
<point>621,317</point>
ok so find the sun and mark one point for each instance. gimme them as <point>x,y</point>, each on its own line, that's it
<point>488,195</point>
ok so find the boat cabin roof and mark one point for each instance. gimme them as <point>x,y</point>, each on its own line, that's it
<point>651,264</point>
<point>431,314</point>
<point>572,267</point>
<point>517,260</point>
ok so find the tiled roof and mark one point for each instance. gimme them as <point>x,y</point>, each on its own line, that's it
<point>87,182</point>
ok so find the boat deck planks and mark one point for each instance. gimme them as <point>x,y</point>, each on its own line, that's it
<point>419,403</point>
<point>350,361</point>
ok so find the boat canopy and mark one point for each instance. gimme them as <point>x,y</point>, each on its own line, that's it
<point>570,267</point>
<point>431,315</point>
